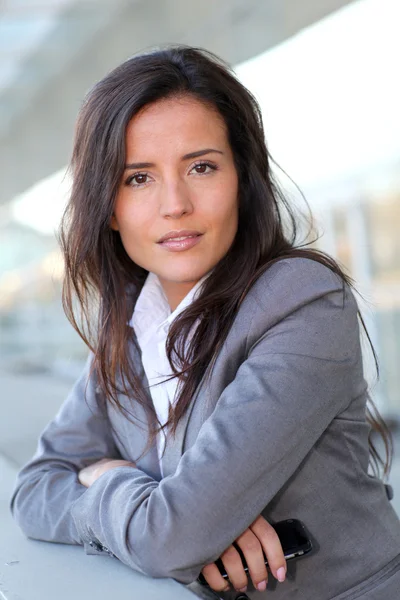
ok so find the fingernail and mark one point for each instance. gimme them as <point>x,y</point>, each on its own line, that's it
<point>243,589</point>
<point>281,573</point>
<point>262,586</point>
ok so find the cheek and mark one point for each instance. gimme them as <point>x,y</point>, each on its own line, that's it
<point>223,213</point>
<point>133,221</point>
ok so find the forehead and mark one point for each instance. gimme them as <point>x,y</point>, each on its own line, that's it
<point>175,122</point>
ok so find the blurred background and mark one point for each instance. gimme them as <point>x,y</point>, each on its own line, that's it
<point>325,75</point>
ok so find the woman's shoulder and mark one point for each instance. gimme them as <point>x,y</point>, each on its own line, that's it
<point>303,306</point>
<point>291,284</point>
<point>298,273</point>
<point>296,280</point>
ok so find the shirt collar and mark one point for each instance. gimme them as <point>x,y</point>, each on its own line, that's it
<point>152,310</point>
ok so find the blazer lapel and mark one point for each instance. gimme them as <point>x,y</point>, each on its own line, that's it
<point>175,446</point>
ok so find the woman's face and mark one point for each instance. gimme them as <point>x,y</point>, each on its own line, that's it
<point>180,175</point>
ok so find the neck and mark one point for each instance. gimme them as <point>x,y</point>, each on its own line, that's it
<point>176,292</point>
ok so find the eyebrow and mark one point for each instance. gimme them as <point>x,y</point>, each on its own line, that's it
<point>147,165</point>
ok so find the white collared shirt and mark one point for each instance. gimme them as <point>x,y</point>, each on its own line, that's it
<point>151,321</point>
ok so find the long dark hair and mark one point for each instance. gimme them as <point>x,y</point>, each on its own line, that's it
<point>106,282</point>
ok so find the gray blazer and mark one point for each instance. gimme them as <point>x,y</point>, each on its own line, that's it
<point>278,429</point>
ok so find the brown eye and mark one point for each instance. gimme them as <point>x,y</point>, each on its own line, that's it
<point>204,168</point>
<point>139,178</point>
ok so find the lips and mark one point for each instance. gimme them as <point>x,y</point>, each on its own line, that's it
<point>179,245</point>
<point>179,235</point>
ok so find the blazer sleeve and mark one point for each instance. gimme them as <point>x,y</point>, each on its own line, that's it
<point>297,377</point>
<point>48,485</point>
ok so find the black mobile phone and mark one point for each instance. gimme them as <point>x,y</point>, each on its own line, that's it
<point>294,540</point>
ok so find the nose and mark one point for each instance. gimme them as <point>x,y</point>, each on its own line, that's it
<point>175,200</point>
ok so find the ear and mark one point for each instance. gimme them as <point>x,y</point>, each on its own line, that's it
<point>114,224</point>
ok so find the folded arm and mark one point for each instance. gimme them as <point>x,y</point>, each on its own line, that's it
<point>48,485</point>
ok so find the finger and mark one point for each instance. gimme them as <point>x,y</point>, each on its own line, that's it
<point>253,554</point>
<point>87,474</point>
<point>271,546</point>
<point>234,568</point>
<point>83,478</point>
<point>214,578</point>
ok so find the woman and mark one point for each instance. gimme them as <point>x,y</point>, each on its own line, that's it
<point>256,410</point>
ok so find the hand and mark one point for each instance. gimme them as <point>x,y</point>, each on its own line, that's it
<point>88,475</point>
<point>258,537</point>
